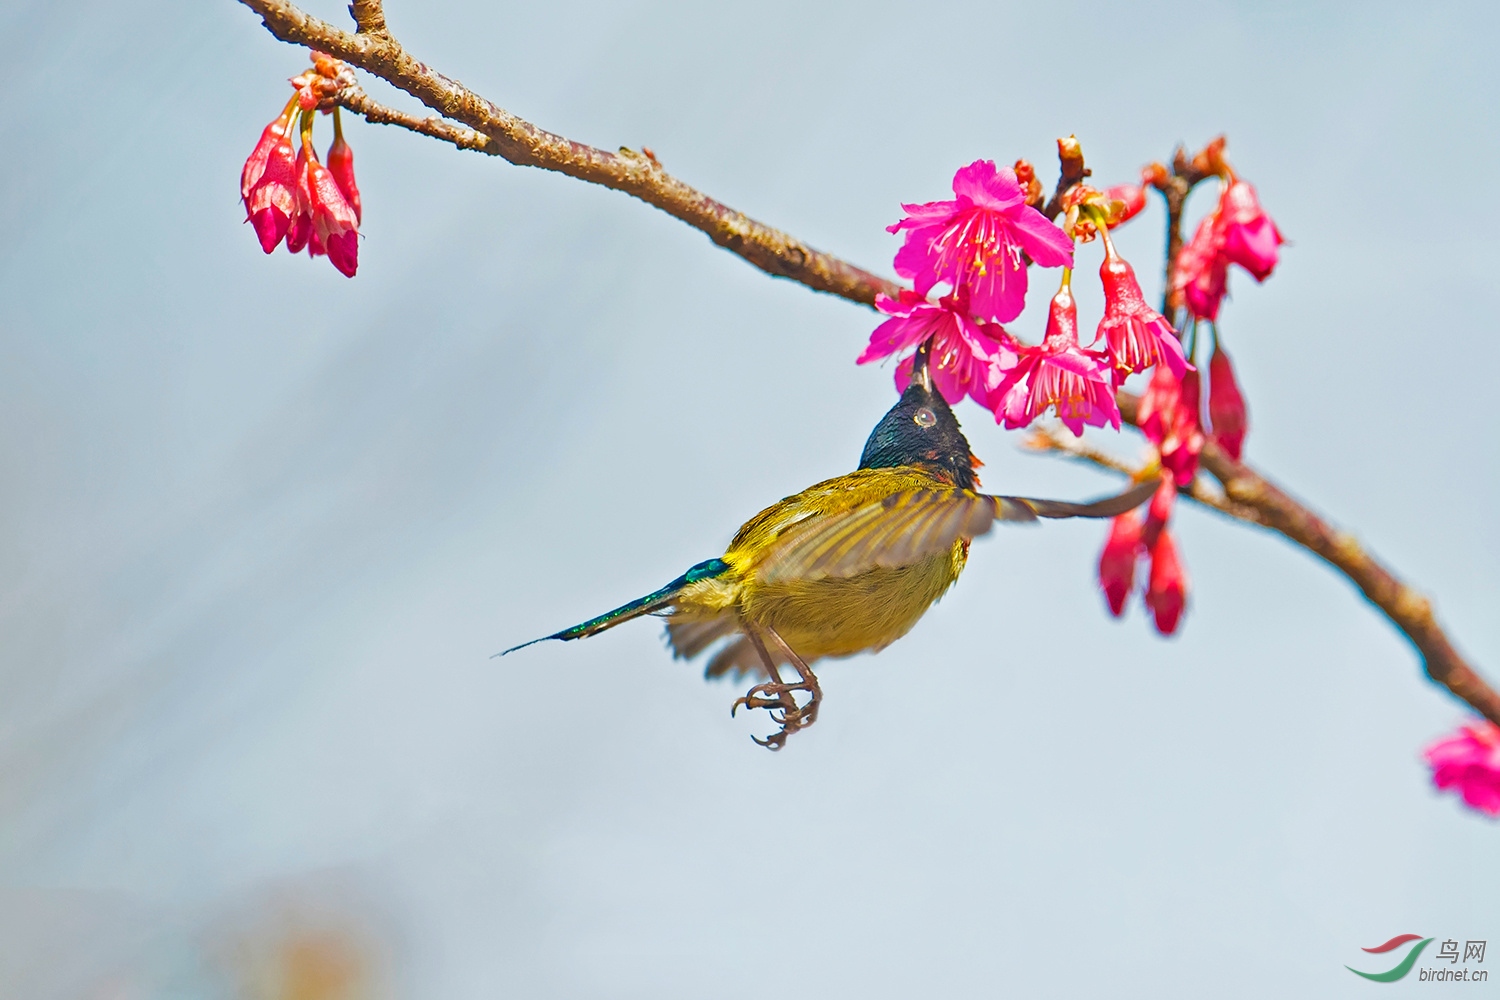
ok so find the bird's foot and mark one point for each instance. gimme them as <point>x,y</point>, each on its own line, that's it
<point>780,700</point>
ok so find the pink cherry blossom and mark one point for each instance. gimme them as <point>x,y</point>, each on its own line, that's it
<point>299,230</point>
<point>341,165</point>
<point>976,241</point>
<point>1057,374</point>
<point>1469,763</point>
<point>1237,231</point>
<point>1167,588</point>
<point>1226,405</point>
<point>1117,561</point>
<point>1137,335</point>
<point>1159,510</point>
<point>335,229</point>
<point>268,183</point>
<point>1169,418</point>
<point>963,349</point>
<point>1250,238</point>
<point>1201,274</point>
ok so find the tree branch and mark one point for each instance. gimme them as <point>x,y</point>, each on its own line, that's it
<point>1247,495</point>
<point>374,50</point>
<point>1408,610</point>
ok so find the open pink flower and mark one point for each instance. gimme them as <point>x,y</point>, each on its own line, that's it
<point>1137,335</point>
<point>1169,418</point>
<point>1469,763</point>
<point>1237,231</point>
<point>963,350</point>
<point>1250,238</point>
<point>976,240</point>
<point>1226,405</point>
<point>1117,561</point>
<point>1167,588</point>
<point>1057,374</point>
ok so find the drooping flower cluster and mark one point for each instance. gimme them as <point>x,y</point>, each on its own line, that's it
<point>1168,417</point>
<point>1468,762</point>
<point>1133,538</point>
<point>1237,231</point>
<point>288,194</point>
<point>976,248</point>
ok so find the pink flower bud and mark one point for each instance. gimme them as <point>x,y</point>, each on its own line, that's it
<point>1132,196</point>
<point>300,229</point>
<point>1169,418</point>
<point>333,222</point>
<point>1250,237</point>
<point>270,137</point>
<point>1201,274</point>
<point>1226,406</point>
<point>1166,591</point>
<point>341,165</point>
<point>1117,561</point>
<point>268,184</point>
<point>1469,763</point>
<point>1159,510</point>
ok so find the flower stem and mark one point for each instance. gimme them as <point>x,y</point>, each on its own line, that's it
<point>307,127</point>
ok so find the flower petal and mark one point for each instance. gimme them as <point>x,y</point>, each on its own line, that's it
<point>1048,245</point>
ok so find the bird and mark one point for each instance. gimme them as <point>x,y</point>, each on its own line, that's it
<point>846,566</point>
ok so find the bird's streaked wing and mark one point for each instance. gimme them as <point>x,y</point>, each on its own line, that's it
<point>1029,509</point>
<point>899,530</point>
<point>905,528</point>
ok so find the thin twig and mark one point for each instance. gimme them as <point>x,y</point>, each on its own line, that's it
<point>356,100</point>
<point>1247,495</point>
<point>1175,184</point>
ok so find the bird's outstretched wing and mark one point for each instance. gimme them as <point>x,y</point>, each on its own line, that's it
<point>907,527</point>
<point>1028,509</point>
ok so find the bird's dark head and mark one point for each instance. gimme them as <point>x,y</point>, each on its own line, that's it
<point>922,430</point>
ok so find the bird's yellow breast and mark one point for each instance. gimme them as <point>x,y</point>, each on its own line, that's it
<point>827,615</point>
<point>844,616</point>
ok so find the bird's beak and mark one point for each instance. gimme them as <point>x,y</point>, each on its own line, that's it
<point>920,375</point>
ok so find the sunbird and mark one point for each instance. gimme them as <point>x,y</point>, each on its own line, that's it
<point>845,566</point>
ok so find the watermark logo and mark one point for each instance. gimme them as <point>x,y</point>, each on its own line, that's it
<point>1448,951</point>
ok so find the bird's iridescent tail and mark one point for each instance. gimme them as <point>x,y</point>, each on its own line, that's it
<point>652,602</point>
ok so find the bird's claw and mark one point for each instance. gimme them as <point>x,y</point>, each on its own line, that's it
<point>774,742</point>
<point>781,703</point>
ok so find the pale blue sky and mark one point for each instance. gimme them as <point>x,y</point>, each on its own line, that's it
<point>263,525</point>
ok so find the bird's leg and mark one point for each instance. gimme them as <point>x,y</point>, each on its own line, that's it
<point>809,712</point>
<point>775,694</point>
<point>772,694</point>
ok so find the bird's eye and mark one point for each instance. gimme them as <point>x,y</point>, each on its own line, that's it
<point>925,417</point>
